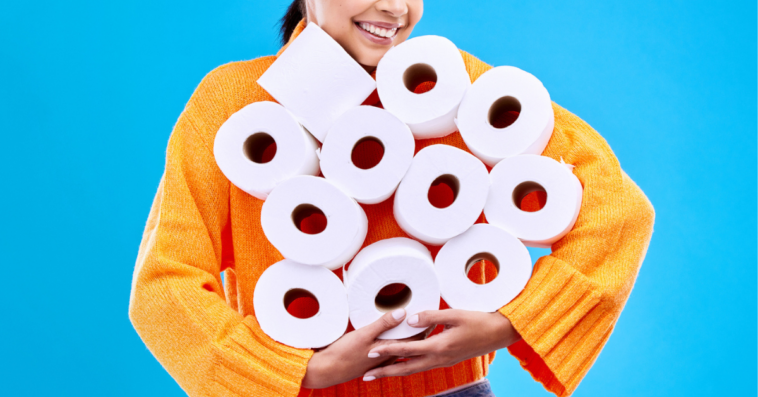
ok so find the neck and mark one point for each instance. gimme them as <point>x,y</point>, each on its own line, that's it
<point>369,69</point>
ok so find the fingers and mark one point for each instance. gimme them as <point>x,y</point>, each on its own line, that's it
<point>385,363</point>
<point>406,349</point>
<point>384,323</point>
<point>403,368</point>
<point>430,318</point>
<point>427,332</point>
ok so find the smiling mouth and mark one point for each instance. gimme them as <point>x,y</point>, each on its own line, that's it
<point>377,31</point>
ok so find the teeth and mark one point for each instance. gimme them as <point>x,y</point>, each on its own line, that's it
<point>375,30</point>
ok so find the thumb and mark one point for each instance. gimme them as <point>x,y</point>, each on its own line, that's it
<point>386,322</point>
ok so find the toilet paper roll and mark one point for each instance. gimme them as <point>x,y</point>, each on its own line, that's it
<point>240,143</point>
<point>317,80</point>
<point>460,170</point>
<point>288,277</point>
<point>392,261</point>
<point>346,223</point>
<point>514,178</point>
<point>376,184</point>
<point>482,242</point>
<point>424,58</point>
<point>480,115</point>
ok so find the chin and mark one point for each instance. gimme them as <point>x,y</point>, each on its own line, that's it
<point>370,59</point>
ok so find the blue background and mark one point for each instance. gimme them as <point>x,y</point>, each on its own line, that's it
<point>90,90</point>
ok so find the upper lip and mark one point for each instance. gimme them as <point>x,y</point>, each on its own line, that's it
<point>384,25</point>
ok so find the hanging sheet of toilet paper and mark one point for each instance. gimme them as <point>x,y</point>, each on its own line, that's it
<point>274,151</point>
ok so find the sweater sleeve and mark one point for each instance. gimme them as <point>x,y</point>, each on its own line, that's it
<point>575,295</point>
<point>177,303</point>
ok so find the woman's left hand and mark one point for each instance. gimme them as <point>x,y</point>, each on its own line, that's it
<point>467,334</point>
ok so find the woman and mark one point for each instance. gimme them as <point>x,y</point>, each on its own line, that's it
<point>206,335</point>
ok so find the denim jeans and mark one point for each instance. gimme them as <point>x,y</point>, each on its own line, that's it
<point>482,389</point>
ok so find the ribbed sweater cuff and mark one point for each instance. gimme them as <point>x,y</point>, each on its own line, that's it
<point>547,314</point>
<point>248,362</point>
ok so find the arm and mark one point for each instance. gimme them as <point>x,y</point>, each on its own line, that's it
<point>177,301</point>
<point>559,324</point>
<point>568,309</point>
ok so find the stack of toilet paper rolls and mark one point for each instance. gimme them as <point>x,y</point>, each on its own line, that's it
<point>271,151</point>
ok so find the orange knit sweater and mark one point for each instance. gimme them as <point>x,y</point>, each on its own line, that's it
<point>206,336</point>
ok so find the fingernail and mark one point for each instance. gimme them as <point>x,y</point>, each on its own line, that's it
<point>398,314</point>
<point>413,319</point>
<point>373,355</point>
<point>368,378</point>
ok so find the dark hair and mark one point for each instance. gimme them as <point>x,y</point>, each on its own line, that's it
<point>295,13</point>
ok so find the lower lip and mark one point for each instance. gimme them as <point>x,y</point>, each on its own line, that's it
<point>375,39</point>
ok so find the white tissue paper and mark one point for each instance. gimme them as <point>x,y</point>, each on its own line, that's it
<point>288,276</point>
<point>345,230</point>
<point>391,261</point>
<point>422,220</point>
<point>376,184</point>
<point>480,242</point>
<point>500,89</point>
<point>317,80</point>
<point>425,58</point>
<point>514,178</point>
<point>241,140</point>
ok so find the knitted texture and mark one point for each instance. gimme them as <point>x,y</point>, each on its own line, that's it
<point>206,335</point>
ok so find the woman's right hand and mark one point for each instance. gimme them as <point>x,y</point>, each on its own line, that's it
<point>347,358</point>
